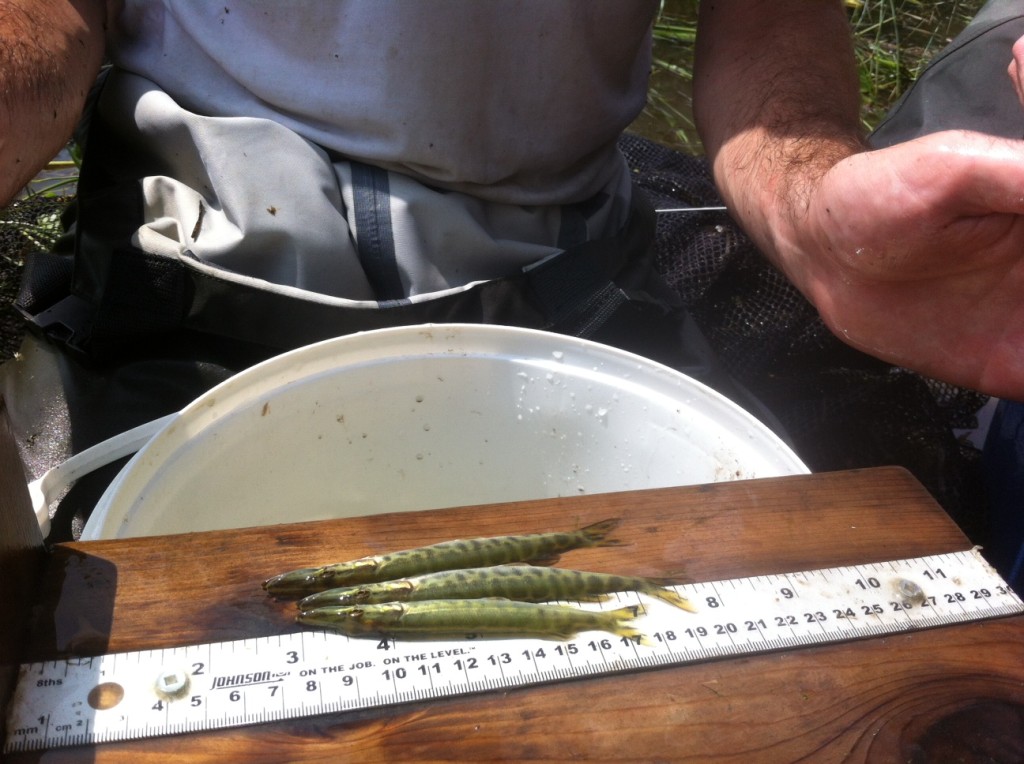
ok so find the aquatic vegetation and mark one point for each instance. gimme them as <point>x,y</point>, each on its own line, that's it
<point>894,40</point>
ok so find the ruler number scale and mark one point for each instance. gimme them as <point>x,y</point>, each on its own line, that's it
<point>307,673</point>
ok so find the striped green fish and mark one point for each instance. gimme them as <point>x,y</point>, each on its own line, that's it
<point>465,618</point>
<point>538,548</point>
<point>515,582</point>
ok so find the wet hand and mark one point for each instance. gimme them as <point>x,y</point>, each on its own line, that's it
<point>915,254</point>
<point>1016,69</point>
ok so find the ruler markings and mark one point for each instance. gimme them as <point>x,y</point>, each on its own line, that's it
<point>306,673</point>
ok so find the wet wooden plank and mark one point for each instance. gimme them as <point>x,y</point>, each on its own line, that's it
<point>21,558</point>
<point>902,697</point>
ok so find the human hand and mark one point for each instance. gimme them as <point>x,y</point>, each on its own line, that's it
<point>915,254</point>
<point>1016,69</point>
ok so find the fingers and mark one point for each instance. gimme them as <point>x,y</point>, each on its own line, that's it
<point>939,206</point>
<point>1016,69</point>
<point>962,173</point>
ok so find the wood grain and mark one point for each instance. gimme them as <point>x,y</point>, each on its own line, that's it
<point>21,558</point>
<point>903,698</point>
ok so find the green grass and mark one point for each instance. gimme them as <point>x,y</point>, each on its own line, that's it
<point>30,224</point>
<point>35,219</point>
<point>894,40</point>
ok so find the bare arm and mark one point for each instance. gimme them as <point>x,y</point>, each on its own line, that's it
<point>914,253</point>
<point>50,53</point>
<point>777,102</point>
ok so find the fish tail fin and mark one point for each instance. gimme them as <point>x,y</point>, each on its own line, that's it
<point>623,623</point>
<point>597,533</point>
<point>672,598</point>
<point>629,612</point>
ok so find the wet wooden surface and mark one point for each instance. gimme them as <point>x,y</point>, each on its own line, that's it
<point>21,558</point>
<point>954,693</point>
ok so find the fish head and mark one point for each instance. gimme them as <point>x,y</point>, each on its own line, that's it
<point>292,583</point>
<point>349,573</point>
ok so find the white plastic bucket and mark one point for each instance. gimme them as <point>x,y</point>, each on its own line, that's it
<point>426,417</point>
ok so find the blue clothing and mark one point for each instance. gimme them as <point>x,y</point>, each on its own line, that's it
<point>966,87</point>
<point>1003,458</point>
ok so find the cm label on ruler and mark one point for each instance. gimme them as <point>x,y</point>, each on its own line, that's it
<point>227,684</point>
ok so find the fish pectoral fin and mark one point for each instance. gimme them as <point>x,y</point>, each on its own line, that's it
<point>623,624</point>
<point>628,612</point>
<point>592,598</point>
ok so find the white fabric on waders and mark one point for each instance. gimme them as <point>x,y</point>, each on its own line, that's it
<point>258,201</point>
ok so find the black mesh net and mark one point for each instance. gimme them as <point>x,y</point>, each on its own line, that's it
<point>26,226</point>
<point>841,408</point>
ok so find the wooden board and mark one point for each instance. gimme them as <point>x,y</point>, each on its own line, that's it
<point>21,558</point>
<point>922,696</point>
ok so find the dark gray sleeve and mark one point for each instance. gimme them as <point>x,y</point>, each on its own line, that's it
<point>966,86</point>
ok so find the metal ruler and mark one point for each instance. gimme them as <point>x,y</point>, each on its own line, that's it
<point>124,696</point>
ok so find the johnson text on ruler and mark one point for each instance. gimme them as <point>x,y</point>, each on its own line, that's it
<point>176,690</point>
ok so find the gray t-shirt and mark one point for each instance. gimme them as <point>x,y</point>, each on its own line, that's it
<point>481,122</point>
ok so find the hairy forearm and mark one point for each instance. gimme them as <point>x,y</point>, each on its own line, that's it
<point>777,102</point>
<point>50,52</point>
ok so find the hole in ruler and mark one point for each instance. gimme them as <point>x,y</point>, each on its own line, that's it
<point>172,684</point>
<point>106,695</point>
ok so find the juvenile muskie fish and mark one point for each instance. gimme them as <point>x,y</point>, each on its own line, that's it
<point>538,548</point>
<point>461,618</point>
<point>515,582</point>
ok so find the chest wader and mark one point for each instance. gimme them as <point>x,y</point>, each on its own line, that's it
<point>140,335</point>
